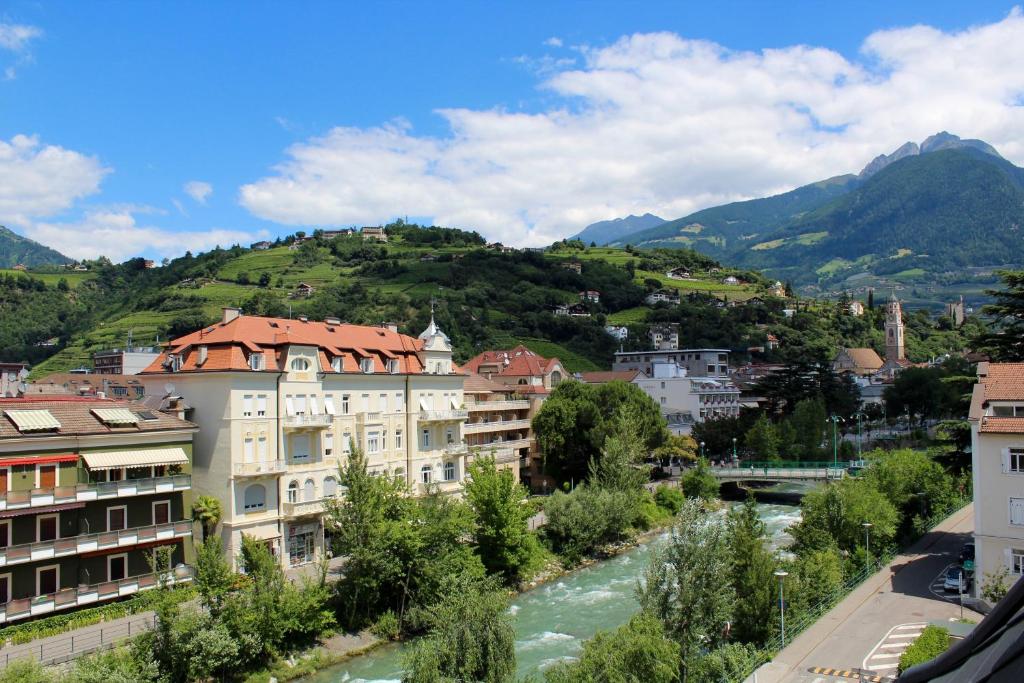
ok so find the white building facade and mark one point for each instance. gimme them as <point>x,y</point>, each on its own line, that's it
<point>280,403</point>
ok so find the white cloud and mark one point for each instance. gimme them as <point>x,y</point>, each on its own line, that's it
<point>114,232</point>
<point>660,123</point>
<point>198,190</point>
<point>16,37</point>
<point>40,180</point>
<point>553,41</point>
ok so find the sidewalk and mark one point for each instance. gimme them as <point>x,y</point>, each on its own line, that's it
<point>871,606</point>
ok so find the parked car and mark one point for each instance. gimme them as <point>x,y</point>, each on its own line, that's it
<point>956,580</point>
<point>967,553</point>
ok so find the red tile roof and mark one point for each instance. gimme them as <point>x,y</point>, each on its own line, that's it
<point>1002,425</point>
<point>519,361</point>
<point>1004,382</point>
<point>229,345</point>
<point>76,417</point>
<point>604,376</point>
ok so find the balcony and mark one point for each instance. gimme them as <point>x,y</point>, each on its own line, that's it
<point>498,405</point>
<point>514,444</point>
<point>307,421</point>
<point>89,594</point>
<point>309,464</point>
<point>87,543</point>
<point>477,427</point>
<point>374,418</point>
<point>443,415</point>
<point>81,493</point>
<point>259,469</point>
<point>455,448</point>
<point>303,508</point>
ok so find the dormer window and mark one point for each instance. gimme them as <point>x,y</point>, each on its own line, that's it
<point>299,365</point>
<point>175,363</point>
<point>336,363</point>
<point>1008,411</point>
<point>202,355</point>
<point>256,361</point>
<point>366,365</point>
<point>393,366</point>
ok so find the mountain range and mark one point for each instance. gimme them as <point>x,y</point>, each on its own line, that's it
<point>609,231</point>
<point>15,249</point>
<point>938,207</point>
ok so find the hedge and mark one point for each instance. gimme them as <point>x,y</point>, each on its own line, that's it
<point>63,623</point>
<point>933,641</point>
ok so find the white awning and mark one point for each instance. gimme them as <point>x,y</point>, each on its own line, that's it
<point>116,416</point>
<point>33,420</point>
<point>144,457</point>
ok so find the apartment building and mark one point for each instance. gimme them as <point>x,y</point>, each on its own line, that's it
<point>499,423</point>
<point>87,487</point>
<point>128,361</point>
<point>279,401</point>
<point>697,362</point>
<point>997,459</point>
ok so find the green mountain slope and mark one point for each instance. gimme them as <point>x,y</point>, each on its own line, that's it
<point>15,249</point>
<point>720,229</point>
<point>609,231</point>
<point>935,213</point>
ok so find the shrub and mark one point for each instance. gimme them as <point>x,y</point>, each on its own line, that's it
<point>387,626</point>
<point>636,651</point>
<point>699,482</point>
<point>996,585</point>
<point>932,642</point>
<point>669,498</point>
<point>26,671</point>
<point>589,517</point>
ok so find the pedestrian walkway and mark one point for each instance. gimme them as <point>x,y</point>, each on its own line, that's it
<point>885,656</point>
<point>67,646</point>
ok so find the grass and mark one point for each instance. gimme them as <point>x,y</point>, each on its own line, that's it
<point>809,238</point>
<point>713,286</point>
<point>772,244</point>
<point>74,278</point>
<point>628,315</point>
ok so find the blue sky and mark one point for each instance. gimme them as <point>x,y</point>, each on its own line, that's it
<point>141,128</point>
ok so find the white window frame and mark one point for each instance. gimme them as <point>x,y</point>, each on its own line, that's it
<point>346,441</point>
<point>39,473</point>
<point>56,527</point>
<point>393,367</point>
<point>292,492</point>
<point>261,405</point>
<point>153,510</point>
<point>124,508</point>
<point>256,361</point>
<point>289,405</point>
<point>398,439</point>
<point>1014,460</point>
<point>336,363</point>
<point>40,570</point>
<point>119,556</point>
<point>1020,503</point>
<point>329,405</point>
<point>247,405</point>
<point>366,366</point>
<point>328,444</point>
<point>254,508</point>
<point>425,438</point>
<point>261,448</point>
<point>346,404</point>
<point>450,467</point>
<point>299,364</point>
<point>1015,557</point>
<point>382,403</point>
<point>426,474</point>
<point>384,440</point>
<point>373,442</point>
<point>248,448</point>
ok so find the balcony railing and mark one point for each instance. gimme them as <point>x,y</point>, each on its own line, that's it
<point>498,405</point>
<point>372,418</point>
<point>87,543</point>
<point>303,508</point>
<point>443,415</point>
<point>455,448</point>
<point>485,448</point>
<point>16,500</point>
<point>88,594</point>
<point>259,469</point>
<point>307,421</point>
<point>476,427</point>
<point>305,464</point>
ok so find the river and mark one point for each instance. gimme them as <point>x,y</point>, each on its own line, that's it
<point>554,619</point>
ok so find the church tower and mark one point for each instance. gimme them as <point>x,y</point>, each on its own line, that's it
<point>894,330</point>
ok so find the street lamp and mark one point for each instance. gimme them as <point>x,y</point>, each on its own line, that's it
<point>859,437</point>
<point>835,419</point>
<point>701,450</point>
<point>734,459</point>
<point>782,605</point>
<point>867,539</point>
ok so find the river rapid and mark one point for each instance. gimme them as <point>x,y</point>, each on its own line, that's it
<point>554,619</point>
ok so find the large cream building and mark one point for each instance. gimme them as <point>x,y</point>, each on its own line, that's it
<point>997,458</point>
<point>278,401</point>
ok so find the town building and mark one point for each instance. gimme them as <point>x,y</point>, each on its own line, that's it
<point>997,462</point>
<point>862,362</point>
<point>574,266</point>
<point>262,245</point>
<point>855,308</point>
<point>374,233</point>
<point>664,337</point>
<point>669,296</point>
<point>77,384</point>
<point>956,312</point>
<point>620,332</point>
<point>280,403</point>
<point>678,274</point>
<point>88,487</point>
<point>894,340</point>
<point>12,379</point>
<point>713,363</point>
<point>591,295</point>
<point>130,360</point>
<point>499,424</point>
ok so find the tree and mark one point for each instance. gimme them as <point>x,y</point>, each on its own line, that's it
<point>1003,341</point>
<point>678,447</point>
<point>619,468</point>
<point>501,532</point>
<point>836,513</point>
<point>761,440</point>
<point>809,421</point>
<point>214,578</point>
<point>729,662</point>
<point>750,573</point>
<point>683,584</point>
<point>699,482</point>
<point>207,511</point>
<point>581,521</point>
<point>921,391</point>
<point>264,280</point>
<point>637,651</point>
<point>469,637</point>
<point>912,481</point>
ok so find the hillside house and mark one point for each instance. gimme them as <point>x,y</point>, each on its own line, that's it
<point>678,274</point>
<point>855,308</point>
<point>620,332</point>
<point>591,295</point>
<point>260,246</point>
<point>374,233</point>
<point>574,266</point>
<point>730,280</point>
<point>303,291</point>
<point>669,296</point>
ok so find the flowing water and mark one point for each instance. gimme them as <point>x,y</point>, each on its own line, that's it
<point>553,620</point>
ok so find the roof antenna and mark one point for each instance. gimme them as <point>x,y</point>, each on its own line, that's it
<point>289,311</point>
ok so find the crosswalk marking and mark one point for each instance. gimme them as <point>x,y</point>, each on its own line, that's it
<point>908,627</point>
<point>907,635</point>
<point>886,656</point>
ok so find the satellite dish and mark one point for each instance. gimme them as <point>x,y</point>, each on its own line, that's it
<point>169,388</point>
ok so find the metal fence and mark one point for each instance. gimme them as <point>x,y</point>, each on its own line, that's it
<point>60,649</point>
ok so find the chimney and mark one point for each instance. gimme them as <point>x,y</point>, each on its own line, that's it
<point>390,326</point>
<point>332,320</point>
<point>101,394</point>
<point>230,314</point>
<point>304,318</point>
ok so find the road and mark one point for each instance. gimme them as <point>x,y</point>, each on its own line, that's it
<point>875,623</point>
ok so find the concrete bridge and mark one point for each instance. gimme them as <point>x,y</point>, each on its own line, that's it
<point>783,471</point>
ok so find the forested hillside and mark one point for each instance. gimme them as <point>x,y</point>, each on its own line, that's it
<point>484,298</point>
<point>15,250</point>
